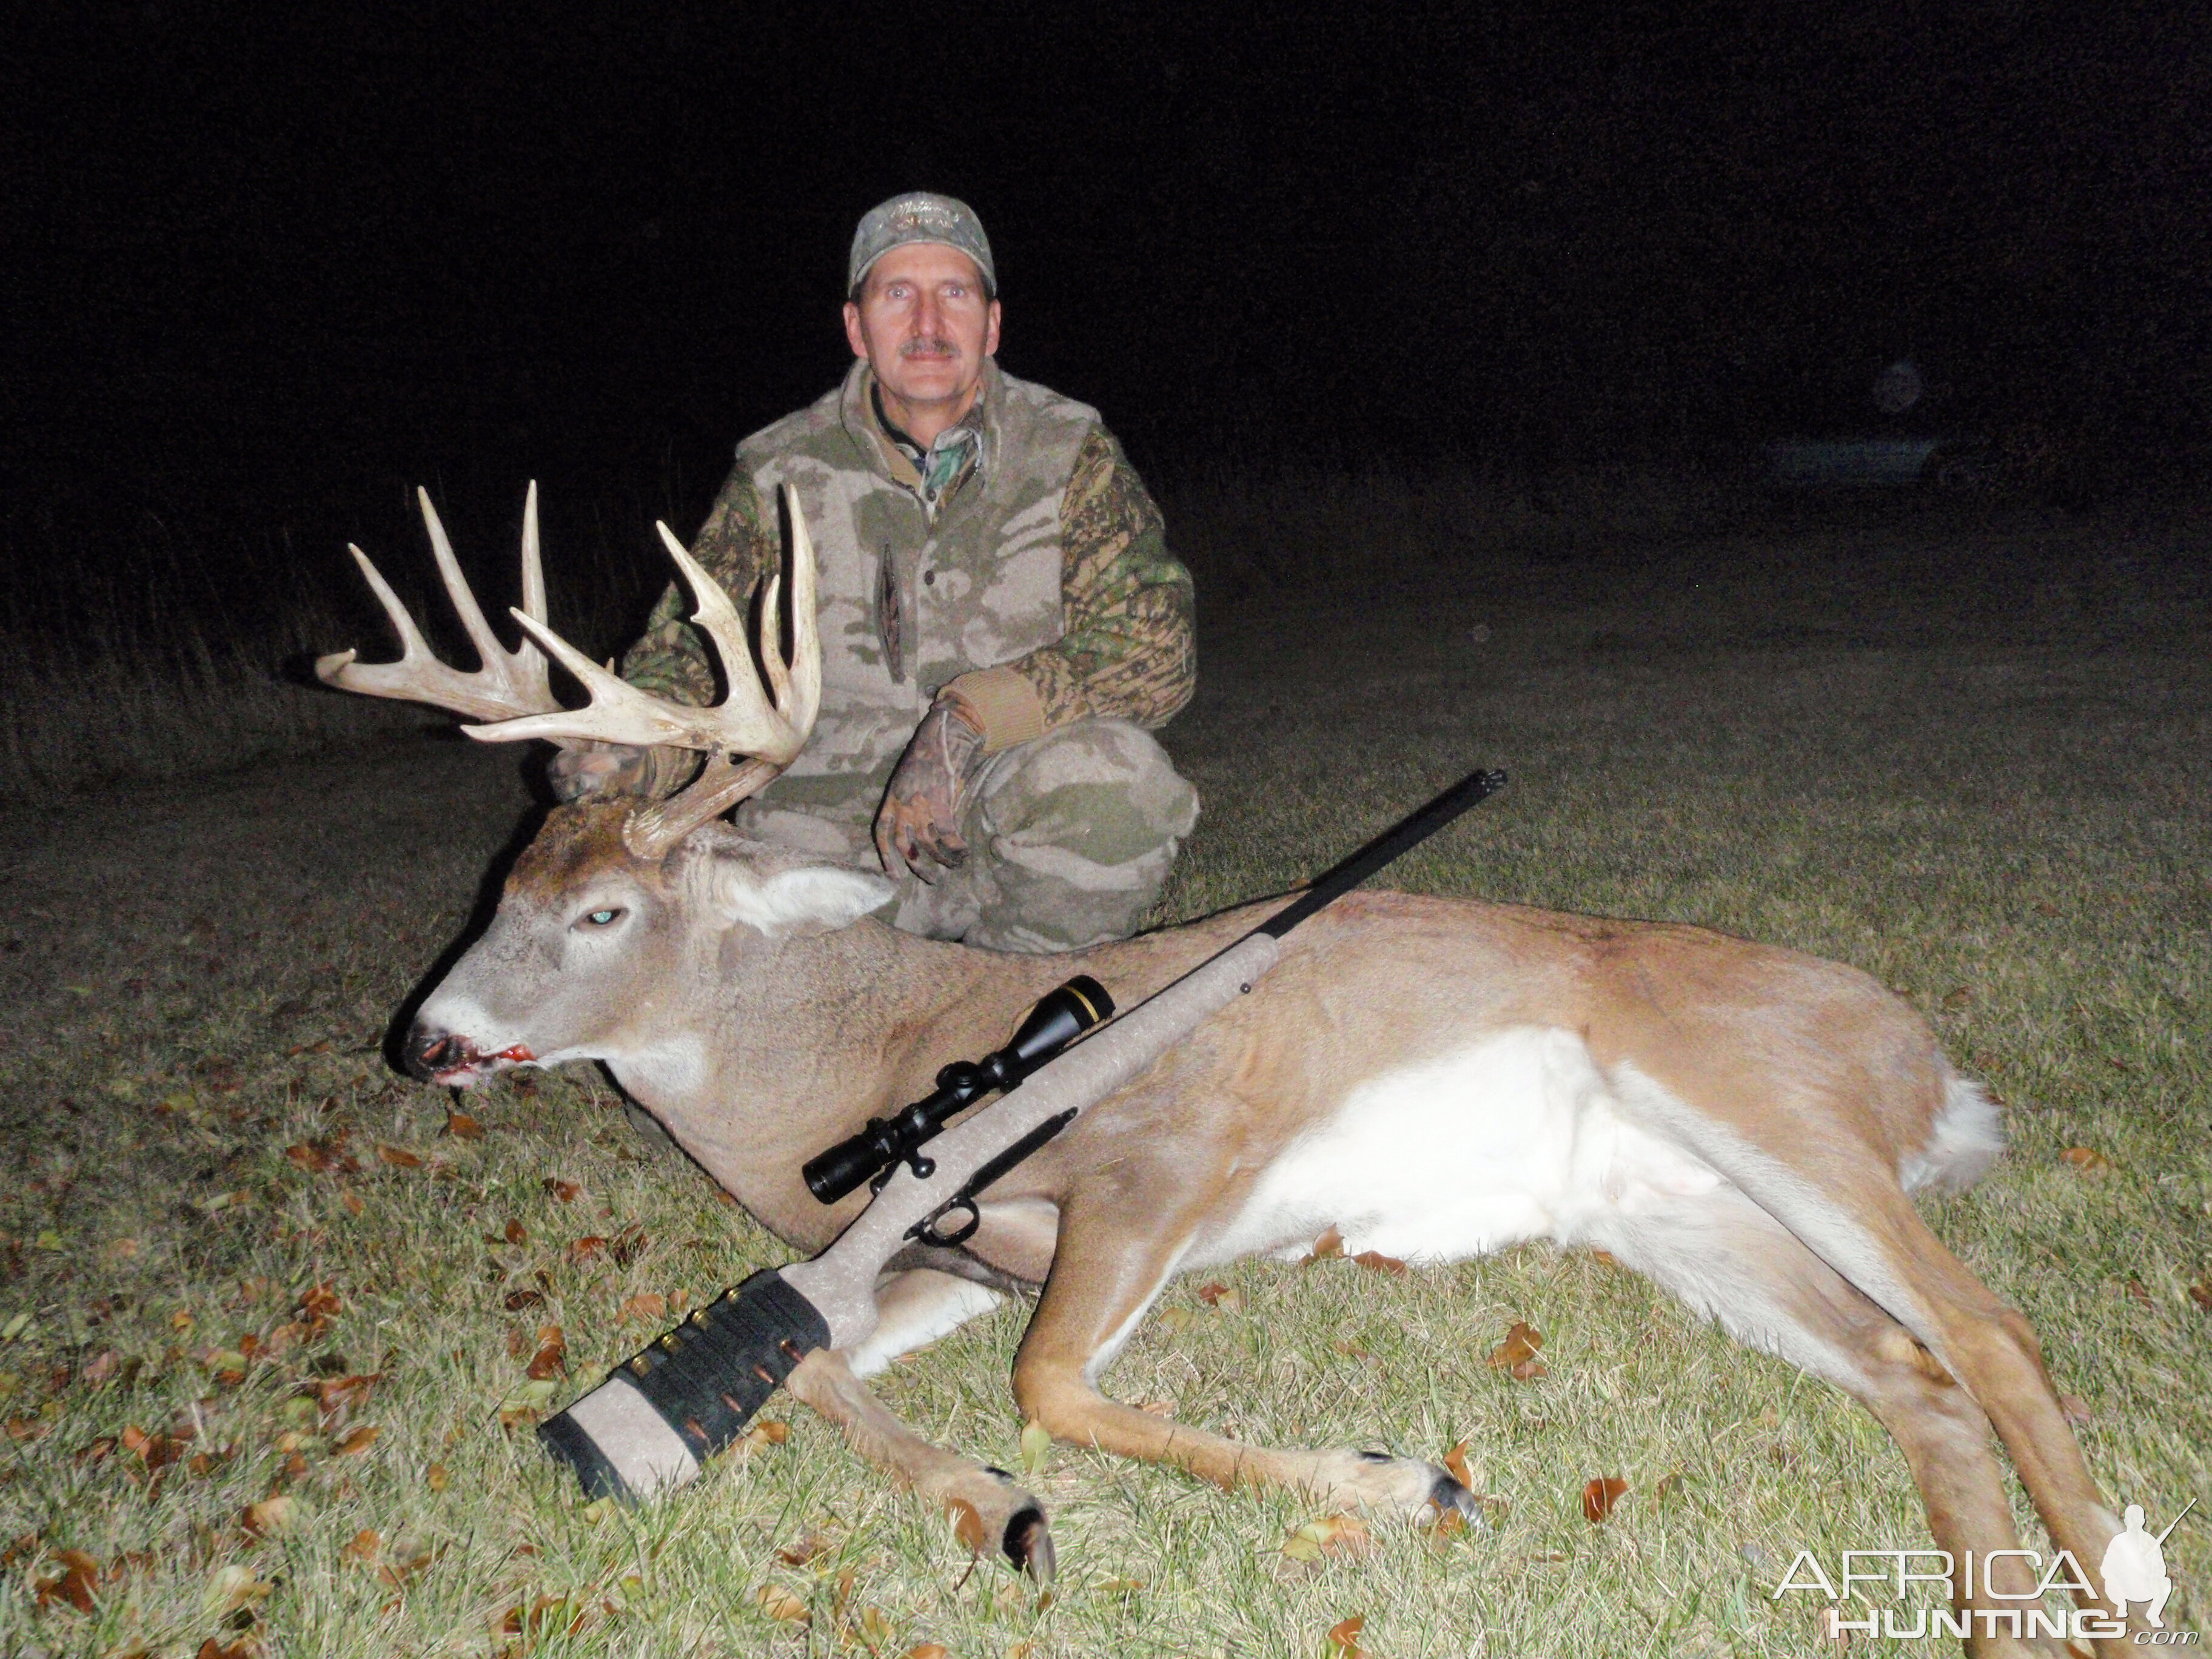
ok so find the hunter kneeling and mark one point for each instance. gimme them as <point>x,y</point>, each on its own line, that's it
<point>1002,625</point>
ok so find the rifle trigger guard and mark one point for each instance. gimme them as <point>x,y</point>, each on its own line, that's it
<point>928,1232</point>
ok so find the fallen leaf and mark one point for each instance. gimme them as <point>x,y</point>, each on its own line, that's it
<point>231,1588</point>
<point>1605,1258</point>
<point>1220,1296</point>
<point>353,1203</point>
<point>523,1404</point>
<point>400,1565</point>
<point>1343,1638</point>
<point>522,1301</point>
<point>2087,1160</point>
<point>766,1433</point>
<point>1599,1497</point>
<point>1036,1445</point>
<point>462,1126</point>
<point>273,1514</point>
<point>551,1358</point>
<point>1344,1345</point>
<point>1330,1243</point>
<point>343,1394</point>
<point>1328,1535</point>
<point>1456,1465</point>
<point>1120,1586</point>
<point>564,1191</point>
<point>1517,1355</point>
<point>398,1156</point>
<point>806,1549</point>
<point>2137,1291</point>
<point>437,1477</point>
<point>927,1650</point>
<point>367,1545</point>
<point>2201,1294</point>
<point>1378,1263</point>
<point>318,1305</point>
<point>211,1648</point>
<point>516,1233</point>
<point>357,1441</point>
<point>967,1524</point>
<point>778,1603</point>
<point>70,1577</point>
<point>1958,997</point>
<point>95,1451</point>
<point>645,1307</point>
<point>628,1245</point>
<point>586,1248</point>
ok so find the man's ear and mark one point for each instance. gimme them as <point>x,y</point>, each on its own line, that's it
<point>811,899</point>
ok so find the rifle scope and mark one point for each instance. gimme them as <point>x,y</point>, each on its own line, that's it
<point>1060,1017</point>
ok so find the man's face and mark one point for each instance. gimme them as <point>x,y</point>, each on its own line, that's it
<point>924,326</point>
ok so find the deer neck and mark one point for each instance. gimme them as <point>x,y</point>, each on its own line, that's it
<point>790,1045</point>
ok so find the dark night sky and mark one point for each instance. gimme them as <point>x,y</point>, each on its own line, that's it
<point>265,266</point>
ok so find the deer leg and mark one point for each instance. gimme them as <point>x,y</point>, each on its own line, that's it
<point>1805,1170</point>
<point>1728,1258</point>
<point>988,1511</point>
<point>914,1307</point>
<point>1994,1353</point>
<point>1115,1257</point>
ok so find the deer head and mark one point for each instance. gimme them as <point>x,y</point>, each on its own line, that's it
<point>606,905</point>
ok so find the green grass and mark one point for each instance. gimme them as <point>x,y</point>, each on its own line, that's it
<point>1969,758</point>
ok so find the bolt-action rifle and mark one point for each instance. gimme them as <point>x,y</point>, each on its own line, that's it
<point>658,1415</point>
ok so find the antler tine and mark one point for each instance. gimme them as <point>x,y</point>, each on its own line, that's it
<point>743,723</point>
<point>534,569</point>
<point>771,645</point>
<point>509,684</point>
<point>805,625</point>
<point>488,648</point>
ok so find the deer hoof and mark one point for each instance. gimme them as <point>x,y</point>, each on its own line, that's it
<point>1027,1544</point>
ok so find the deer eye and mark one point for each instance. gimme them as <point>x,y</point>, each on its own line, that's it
<point>605,918</point>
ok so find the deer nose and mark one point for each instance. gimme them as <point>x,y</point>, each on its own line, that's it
<point>430,1050</point>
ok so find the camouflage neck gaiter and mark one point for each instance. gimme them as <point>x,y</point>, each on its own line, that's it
<point>946,462</point>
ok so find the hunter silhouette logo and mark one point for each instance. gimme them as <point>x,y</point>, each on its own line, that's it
<point>2133,1567</point>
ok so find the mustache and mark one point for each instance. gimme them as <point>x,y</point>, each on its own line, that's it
<point>934,345</point>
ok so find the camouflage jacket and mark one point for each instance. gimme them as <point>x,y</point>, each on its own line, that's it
<point>1041,587</point>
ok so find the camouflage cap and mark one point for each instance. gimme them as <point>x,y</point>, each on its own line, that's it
<point>920,216</point>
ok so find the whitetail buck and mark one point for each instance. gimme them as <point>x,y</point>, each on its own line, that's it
<point>1434,1079</point>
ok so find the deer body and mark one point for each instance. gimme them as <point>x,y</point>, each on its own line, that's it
<point>1432,1078</point>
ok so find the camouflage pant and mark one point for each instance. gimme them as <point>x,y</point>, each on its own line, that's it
<point>1070,840</point>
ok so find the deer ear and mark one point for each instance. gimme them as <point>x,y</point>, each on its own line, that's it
<point>815,899</point>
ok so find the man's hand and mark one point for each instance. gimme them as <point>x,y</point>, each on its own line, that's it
<point>584,769</point>
<point>919,828</point>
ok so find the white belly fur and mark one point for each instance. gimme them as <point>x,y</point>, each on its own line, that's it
<point>1518,1137</point>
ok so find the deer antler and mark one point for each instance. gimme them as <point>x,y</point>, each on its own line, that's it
<point>509,684</point>
<point>767,736</point>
